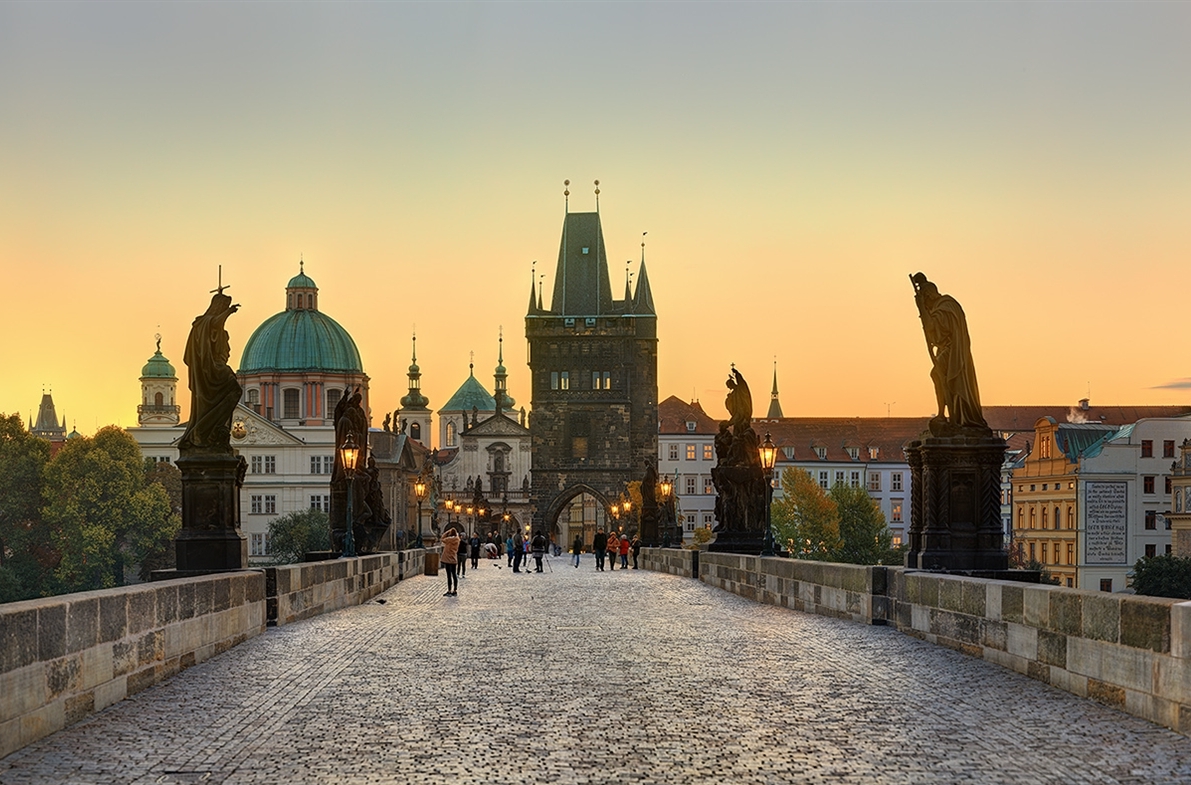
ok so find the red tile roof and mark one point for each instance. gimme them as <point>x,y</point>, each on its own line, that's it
<point>674,414</point>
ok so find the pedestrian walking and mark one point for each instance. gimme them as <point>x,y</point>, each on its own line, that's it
<point>577,548</point>
<point>635,547</point>
<point>449,559</point>
<point>518,551</point>
<point>613,548</point>
<point>474,551</point>
<point>462,556</point>
<point>539,550</point>
<point>597,547</point>
<point>509,549</point>
<point>624,553</point>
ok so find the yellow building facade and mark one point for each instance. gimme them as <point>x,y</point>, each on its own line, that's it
<point>1045,506</point>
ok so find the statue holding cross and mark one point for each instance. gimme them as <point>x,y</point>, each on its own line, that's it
<point>214,390</point>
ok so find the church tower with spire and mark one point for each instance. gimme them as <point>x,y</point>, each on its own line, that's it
<point>159,386</point>
<point>415,407</point>
<point>775,406</point>
<point>593,364</point>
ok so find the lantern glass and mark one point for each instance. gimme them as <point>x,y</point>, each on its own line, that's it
<point>350,454</point>
<point>420,490</point>
<point>768,451</point>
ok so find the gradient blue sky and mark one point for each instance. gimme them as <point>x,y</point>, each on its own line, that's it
<point>792,163</point>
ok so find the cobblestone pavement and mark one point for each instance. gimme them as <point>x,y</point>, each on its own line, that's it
<point>574,676</point>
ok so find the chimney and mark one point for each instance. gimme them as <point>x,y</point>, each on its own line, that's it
<point>1083,404</point>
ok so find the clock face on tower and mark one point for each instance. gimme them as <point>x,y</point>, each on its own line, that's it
<point>239,429</point>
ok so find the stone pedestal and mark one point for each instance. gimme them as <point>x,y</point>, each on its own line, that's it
<point>210,540</point>
<point>750,543</point>
<point>955,503</point>
<point>650,536</point>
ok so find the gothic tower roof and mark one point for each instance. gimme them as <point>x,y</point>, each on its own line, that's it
<point>775,407</point>
<point>581,283</point>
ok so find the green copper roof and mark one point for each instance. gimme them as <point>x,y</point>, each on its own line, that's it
<point>158,367</point>
<point>471,394</point>
<point>300,340</point>
<point>301,281</point>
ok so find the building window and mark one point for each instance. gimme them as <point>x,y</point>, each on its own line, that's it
<point>1058,518</point>
<point>821,452</point>
<point>708,452</point>
<point>873,452</point>
<point>874,481</point>
<point>451,433</point>
<point>320,503</point>
<point>690,452</point>
<point>854,453</point>
<point>708,486</point>
<point>257,508</point>
<point>895,511</point>
<point>1044,553</point>
<point>1033,554</point>
<point>1020,512</point>
<point>1070,517</point>
<point>1147,483</point>
<point>823,479</point>
<point>1168,549</point>
<point>897,539</point>
<point>259,543</point>
<point>1044,447</point>
<point>607,380</point>
<point>1033,518</point>
<point>855,479</point>
<point>839,478</point>
<point>256,464</point>
<point>564,380</point>
<point>1168,448</point>
<point>554,380</point>
<point>270,464</point>
<point>270,505</point>
<point>1151,550</point>
<point>333,397</point>
<point>895,481</point>
<point>1151,519</point>
<point>1147,448</point>
<point>1106,584</point>
<point>1070,553</point>
<point>707,520</point>
<point>254,399</point>
<point>316,464</point>
<point>1166,485</point>
<point>690,485</point>
<point>674,452</point>
<point>290,404</point>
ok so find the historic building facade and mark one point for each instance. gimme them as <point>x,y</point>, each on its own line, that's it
<point>593,366</point>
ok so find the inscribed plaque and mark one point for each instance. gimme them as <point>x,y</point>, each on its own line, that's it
<point>1105,517</point>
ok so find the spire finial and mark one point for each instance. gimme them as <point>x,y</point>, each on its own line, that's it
<point>566,195</point>
<point>471,363</point>
<point>500,352</point>
<point>643,247</point>
<point>415,357</point>
<point>158,337</point>
<point>301,265</point>
<point>220,287</point>
<point>597,192</point>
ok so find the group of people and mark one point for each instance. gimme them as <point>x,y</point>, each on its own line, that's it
<point>457,548</point>
<point>608,547</point>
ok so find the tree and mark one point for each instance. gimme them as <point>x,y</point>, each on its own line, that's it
<point>1163,576</point>
<point>805,519</point>
<point>160,553</point>
<point>295,534</point>
<point>26,556</point>
<point>102,512</point>
<point>864,539</point>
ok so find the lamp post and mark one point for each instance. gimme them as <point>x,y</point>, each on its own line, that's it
<point>349,452</point>
<point>768,458</point>
<point>471,516</point>
<point>666,488</point>
<point>458,508</point>
<point>420,492</point>
<point>628,509</point>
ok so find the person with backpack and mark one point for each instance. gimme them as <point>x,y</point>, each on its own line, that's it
<point>450,559</point>
<point>474,550</point>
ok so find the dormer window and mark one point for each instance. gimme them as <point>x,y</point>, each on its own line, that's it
<point>690,427</point>
<point>821,452</point>
<point>854,453</point>
<point>873,452</point>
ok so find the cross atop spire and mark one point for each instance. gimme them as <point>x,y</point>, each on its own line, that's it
<point>775,407</point>
<point>220,287</point>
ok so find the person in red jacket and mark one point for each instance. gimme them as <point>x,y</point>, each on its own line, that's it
<point>450,560</point>
<point>624,553</point>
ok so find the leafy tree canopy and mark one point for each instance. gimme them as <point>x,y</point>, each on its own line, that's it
<point>1163,576</point>
<point>864,539</point>
<point>805,519</point>
<point>292,535</point>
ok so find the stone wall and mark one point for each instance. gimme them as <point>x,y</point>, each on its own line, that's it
<point>676,561</point>
<point>62,658</point>
<point>65,657</point>
<point>1130,652</point>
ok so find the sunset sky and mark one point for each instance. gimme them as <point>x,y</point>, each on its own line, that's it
<point>792,163</point>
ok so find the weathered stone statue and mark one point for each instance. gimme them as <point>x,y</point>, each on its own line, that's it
<point>649,505</point>
<point>738,477</point>
<point>950,349</point>
<point>212,473</point>
<point>370,519</point>
<point>955,468</point>
<point>214,391</point>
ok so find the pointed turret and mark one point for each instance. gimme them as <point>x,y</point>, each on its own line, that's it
<point>534,305</point>
<point>415,399</point>
<point>775,407</point>
<point>501,379</point>
<point>643,298</point>
<point>47,426</point>
<point>581,283</point>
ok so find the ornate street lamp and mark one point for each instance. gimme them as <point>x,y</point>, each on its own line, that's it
<point>349,452</point>
<point>471,516</point>
<point>628,510</point>
<point>768,452</point>
<point>666,487</point>
<point>420,492</point>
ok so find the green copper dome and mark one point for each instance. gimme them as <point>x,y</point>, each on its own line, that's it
<point>300,340</point>
<point>158,367</point>
<point>301,281</point>
<point>470,395</point>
